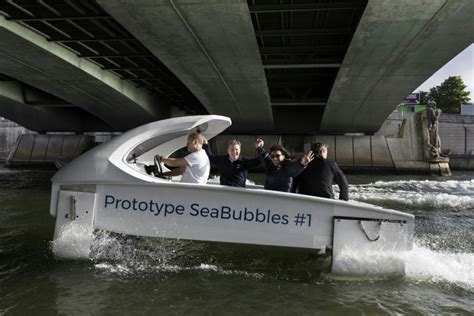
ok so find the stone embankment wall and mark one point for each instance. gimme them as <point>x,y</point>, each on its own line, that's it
<point>381,150</point>
<point>21,147</point>
<point>402,150</point>
<point>352,152</point>
<point>47,150</point>
<point>9,132</point>
<point>456,133</point>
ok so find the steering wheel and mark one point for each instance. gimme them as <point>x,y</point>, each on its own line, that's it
<point>158,170</point>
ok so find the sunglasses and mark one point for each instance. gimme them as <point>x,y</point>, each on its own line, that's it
<point>275,156</point>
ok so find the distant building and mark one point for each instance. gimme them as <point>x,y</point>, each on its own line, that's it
<point>467,109</point>
<point>411,104</point>
<point>414,108</point>
<point>413,98</point>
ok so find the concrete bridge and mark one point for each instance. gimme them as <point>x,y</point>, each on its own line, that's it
<point>333,67</point>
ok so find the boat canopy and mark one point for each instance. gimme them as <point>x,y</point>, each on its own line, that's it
<point>122,157</point>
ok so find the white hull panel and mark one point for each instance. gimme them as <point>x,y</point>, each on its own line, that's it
<point>223,214</point>
<point>239,216</point>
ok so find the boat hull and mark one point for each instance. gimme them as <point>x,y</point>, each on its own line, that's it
<point>109,188</point>
<point>226,214</point>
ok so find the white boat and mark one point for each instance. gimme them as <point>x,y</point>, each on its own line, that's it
<point>108,188</point>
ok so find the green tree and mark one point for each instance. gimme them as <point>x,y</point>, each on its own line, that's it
<point>424,97</point>
<point>450,94</point>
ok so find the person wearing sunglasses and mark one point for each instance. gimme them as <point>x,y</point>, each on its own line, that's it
<point>233,169</point>
<point>321,173</point>
<point>279,168</point>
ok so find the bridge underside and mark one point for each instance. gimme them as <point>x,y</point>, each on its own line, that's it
<point>397,46</point>
<point>291,67</point>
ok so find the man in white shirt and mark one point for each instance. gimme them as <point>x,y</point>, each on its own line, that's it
<point>194,167</point>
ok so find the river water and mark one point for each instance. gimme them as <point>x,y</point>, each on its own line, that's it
<point>140,276</point>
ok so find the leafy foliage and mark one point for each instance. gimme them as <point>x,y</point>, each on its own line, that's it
<point>450,94</point>
<point>424,97</point>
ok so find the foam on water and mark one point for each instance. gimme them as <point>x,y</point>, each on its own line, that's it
<point>144,265</point>
<point>449,186</point>
<point>73,242</point>
<point>419,265</point>
<point>433,200</point>
<point>423,264</point>
<point>452,195</point>
<point>353,262</point>
<point>429,261</point>
<point>217,269</point>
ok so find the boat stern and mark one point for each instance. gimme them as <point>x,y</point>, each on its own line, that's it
<point>371,245</point>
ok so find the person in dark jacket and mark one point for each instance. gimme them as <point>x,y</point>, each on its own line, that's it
<point>233,169</point>
<point>279,169</point>
<point>319,175</point>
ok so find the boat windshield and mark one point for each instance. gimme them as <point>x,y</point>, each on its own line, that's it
<point>151,143</point>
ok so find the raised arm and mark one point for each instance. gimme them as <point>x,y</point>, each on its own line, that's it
<point>262,154</point>
<point>214,159</point>
<point>296,167</point>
